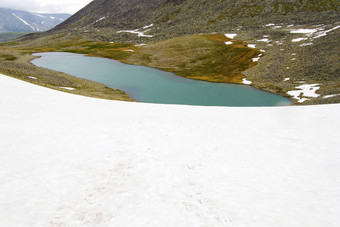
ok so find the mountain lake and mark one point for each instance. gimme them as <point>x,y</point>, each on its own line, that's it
<point>145,84</point>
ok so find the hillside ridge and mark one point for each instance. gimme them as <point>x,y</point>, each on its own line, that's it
<point>101,19</point>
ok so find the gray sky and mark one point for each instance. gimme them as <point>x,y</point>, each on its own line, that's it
<point>45,6</point>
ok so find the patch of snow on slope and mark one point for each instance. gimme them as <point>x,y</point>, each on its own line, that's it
<point>306,90</point>
<point>67,88</point>
<point>256,59</point>
<point>228,43</point>
<point>68,160</point>
<point>247,82</point>
<point>303,31</point>
<point>306,44</point>
<point>330,96</point>
<point>25,22</point>
<point>298,39</point>
<point>230,36</point>
<point>139,32</point>
<point>252,45</point>
<point>148,26</point>
<point>324,33</point>
<point>102,18</point>
<point>264,40</point>
<point>315,32</point>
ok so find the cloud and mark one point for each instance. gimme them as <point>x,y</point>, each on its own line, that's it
<point>45,6</point>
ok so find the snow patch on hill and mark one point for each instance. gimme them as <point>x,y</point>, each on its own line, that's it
<point>304,92</point>
<point>23,21</point>
<point>230,35</point>
<point>140,31</point>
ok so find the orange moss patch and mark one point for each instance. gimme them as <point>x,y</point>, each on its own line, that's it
<point>200,57</point>
<point>218,37</point>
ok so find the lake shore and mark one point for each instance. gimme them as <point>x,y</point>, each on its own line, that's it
<point>151,85</point>
<point>20,67</point>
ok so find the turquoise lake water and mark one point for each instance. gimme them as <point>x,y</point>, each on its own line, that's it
<point>150,85</point>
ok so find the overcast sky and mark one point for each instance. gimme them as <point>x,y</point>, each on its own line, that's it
<point>45,6</point>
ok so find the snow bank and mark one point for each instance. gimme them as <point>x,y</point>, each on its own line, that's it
<point>68,160</point>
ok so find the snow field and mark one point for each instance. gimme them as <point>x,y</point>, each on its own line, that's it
<point>76,161</point>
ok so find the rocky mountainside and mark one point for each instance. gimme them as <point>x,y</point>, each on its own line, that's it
<point>102,19</point>
<point>22,21</point>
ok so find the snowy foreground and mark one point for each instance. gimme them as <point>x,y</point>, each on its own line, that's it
<point>68,160</point>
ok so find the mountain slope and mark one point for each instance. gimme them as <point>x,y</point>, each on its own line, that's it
<point>178,17</point>
<point>22,21</point>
